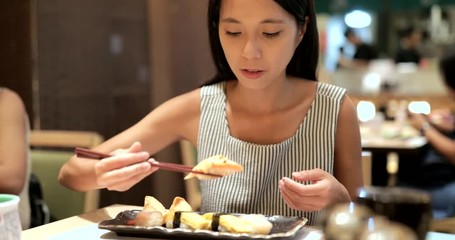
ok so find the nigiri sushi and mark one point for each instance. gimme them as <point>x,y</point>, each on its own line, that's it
<point>152,213</point>
<point>178,205</point>
<point>186,220</point>
<point>152,204</point>
<point>218,164</point>
<point>248,223</point>
<point>149,219</point>
<point>261,225</point>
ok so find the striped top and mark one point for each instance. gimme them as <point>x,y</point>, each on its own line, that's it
<point>255,190</point>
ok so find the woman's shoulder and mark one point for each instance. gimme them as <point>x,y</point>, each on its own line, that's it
<point>185,105</point>
<point>11,103</point>
<point>330,90</point>
<point>213,89</point>
<point>10,99</point>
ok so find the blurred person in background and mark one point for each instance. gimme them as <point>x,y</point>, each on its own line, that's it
<point>364,52</point>
<point>409,41</point>
<point>14,151</point>
<point>437,173</point>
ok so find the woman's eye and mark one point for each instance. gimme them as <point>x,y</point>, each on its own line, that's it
<point>272,34</point>
<point>232,34</point>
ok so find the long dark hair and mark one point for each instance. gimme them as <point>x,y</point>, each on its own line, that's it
<point>447,68</point>
<point>305,60</point>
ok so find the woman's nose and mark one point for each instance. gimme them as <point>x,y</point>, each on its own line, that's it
<point>251,50</point>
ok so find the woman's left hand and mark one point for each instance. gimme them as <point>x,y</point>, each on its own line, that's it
<point>323,191</point>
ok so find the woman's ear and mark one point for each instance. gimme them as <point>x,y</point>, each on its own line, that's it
<point>302,29</point>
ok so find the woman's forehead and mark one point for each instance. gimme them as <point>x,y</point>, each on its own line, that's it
<point>253,10</point>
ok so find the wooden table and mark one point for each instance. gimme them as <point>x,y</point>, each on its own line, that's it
<point>405,142</point>
<point>85,227</point>
<point>76,222</point>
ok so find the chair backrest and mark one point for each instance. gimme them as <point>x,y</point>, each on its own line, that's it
<point>366,168</point>
<point>189,157</point>
<point>50,149</point>
<point>64,139</point>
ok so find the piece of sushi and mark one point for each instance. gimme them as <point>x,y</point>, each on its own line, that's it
<point>151,204</point>
<point>178,205</point>
<point>234,224</point>
<point>152,213</point>
<point>186,220</point>
<point>218,164</point>
<point>260,223</point>
<point>149,219</point>
<point>248,223</point>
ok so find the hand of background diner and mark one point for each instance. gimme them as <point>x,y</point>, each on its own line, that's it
<point>323,191</point>
<point>417,120</point>
<point>124,169</point>
<point>442,119</point>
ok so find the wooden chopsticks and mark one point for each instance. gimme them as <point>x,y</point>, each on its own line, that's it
<point>86,153</point>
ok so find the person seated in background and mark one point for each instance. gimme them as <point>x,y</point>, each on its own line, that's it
<point>437,173</point>
<point>409,41</point>
<point>364,52</point>
<point>14,149</point>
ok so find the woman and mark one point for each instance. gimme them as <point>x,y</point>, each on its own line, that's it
<point>14,159</point>
<point>436,175</point>
<point>297,139</point>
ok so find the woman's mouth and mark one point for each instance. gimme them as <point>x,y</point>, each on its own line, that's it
<point>252,73</point>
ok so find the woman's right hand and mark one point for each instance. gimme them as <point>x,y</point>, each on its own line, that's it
<point>124,169</point>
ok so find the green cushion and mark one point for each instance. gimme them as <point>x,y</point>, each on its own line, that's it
<point>62,202</point>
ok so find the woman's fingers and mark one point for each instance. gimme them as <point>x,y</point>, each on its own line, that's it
<point>124,169</point>
<point>120,161</point>
<point>308,197</point>
<point>299,202</point>
<point>128,183</point>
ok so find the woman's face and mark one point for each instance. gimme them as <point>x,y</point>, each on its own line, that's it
<point>259,39</point>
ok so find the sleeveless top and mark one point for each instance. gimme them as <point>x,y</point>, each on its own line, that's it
<point>255,190</point>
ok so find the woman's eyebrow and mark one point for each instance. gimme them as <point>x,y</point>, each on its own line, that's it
<point>230,20</point>
<point>271,20</point>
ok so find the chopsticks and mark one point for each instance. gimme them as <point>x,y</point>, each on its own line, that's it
<point>86,153</point>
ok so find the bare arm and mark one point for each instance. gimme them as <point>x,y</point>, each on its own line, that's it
<point>327,189</point>
<point>175,119</point>
<point>13,143</point>
<point>348,149</point>
<point>443,144</point>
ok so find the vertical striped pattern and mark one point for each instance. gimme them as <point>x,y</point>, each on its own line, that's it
<point>255,190</point>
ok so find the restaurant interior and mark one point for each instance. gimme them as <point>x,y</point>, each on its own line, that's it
<point>90,69</point>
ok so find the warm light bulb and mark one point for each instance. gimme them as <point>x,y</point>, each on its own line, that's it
<point>366,111</point>
<point>422,107</point>
<point>357,19</point>
<point>371,82</point>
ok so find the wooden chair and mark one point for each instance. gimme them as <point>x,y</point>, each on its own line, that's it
<point>446,225</point>
<point>189,157</point>
<point>366,168</point>
<point>50,149</point>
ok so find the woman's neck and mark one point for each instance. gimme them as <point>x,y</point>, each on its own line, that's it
<point>276,97</point>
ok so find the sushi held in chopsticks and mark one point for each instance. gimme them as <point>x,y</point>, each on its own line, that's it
<point>218,165</point>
